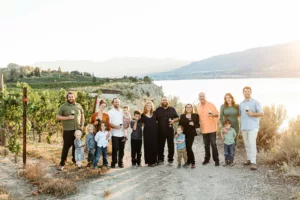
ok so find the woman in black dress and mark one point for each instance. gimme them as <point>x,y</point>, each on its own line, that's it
<point>150,134</point>
<point>190,122</point>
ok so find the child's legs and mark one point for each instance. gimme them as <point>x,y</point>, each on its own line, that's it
<point>78,163</point>
<point>179,154</point>
<point>98,153</point>
<point>185,158</point>
<point>139,151</point>
<point>231,152</point>
<point>226,153</point>
<point>133,152</point>
<point>91,155</point>
<point>104,150</point>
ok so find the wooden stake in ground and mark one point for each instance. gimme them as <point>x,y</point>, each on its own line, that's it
<point>95,103</point>
<point>24,123</point>
<point>3,135</point>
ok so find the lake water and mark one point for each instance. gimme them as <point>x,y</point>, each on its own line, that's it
<point>266,91</point>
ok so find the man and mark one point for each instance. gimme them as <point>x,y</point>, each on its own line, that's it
<point>116,123</point>
<point>72,117</point>
<point>250,111</point>
<point>208,115</point>
<point>166,117</point>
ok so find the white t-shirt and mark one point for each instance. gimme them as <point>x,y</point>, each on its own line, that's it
<point>101,140</point>
<point>116,118</point>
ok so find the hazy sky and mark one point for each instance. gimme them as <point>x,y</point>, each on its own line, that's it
<point>46,30</point>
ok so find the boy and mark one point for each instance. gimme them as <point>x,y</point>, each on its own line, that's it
<point>90,143</point>
<point>179,140</point>
<point>228,134</point>
<point>136,139</point>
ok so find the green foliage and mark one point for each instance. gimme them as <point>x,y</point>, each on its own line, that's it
<point>147,79</point>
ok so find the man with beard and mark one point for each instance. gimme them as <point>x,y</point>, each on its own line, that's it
<point>72,117</point>
<point>116,123</point>
<point>166,116</point>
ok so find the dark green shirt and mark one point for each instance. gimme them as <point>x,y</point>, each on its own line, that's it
<point>231,113</point>
<point>66,110</point>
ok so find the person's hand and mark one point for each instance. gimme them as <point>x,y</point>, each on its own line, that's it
<point>96,122</point>
<point>191,123</point>
<point>249,113</point>
<point>70,117</point>
<point>82,127</point>
<point>171,122</point>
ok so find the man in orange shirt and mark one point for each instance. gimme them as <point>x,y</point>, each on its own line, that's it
<point>208,115</point>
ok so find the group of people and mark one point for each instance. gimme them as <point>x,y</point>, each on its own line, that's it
<point>154,127</point>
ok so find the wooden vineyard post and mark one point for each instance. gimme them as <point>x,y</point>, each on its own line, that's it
<point>95,104</point>
<point>3,135</point>
<point>24,123</point>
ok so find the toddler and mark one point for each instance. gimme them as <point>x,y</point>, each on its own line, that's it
<point>102,137</point>
<point>228,134</point>
<point>179,140</point>
<point>79,151</point>
<point>90,143</point>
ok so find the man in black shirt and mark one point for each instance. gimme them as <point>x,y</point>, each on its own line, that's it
<point>166,117</point>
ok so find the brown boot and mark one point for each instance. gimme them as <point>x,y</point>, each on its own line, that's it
<point>253,167</point>
<point>247,162</point>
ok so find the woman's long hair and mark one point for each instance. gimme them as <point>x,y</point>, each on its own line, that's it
<point>188,105</point>
<point>152,107</point>
<point>233,101</point>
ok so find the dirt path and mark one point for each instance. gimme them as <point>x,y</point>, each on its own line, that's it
<point>204,182</point>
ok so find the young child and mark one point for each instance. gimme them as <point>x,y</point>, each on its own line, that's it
<point>102,137</point>
<point>90,143</point>
<point>179,140</point>
<point>228,134</point>
<point>79,151</point>
<point>126,121</point>
<point>136,139</point>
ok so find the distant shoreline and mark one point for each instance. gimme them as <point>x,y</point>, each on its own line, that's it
<point>226,78</point>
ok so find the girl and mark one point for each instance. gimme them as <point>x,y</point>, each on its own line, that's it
<point>79,151</point>
<point>102,137</point>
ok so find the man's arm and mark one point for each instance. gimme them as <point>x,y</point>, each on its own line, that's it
<point>215,111</point>
<point>62,118</point>
<point>259,111</point>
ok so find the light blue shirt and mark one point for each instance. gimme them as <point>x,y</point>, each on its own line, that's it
<point>181,145</point>
<point>249,123</point>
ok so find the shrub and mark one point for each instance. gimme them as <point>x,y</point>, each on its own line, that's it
<point>269,125</point>
<point>287,153</point>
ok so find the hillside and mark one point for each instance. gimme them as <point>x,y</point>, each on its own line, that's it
<point>116,67</point>
<point>273,61</point>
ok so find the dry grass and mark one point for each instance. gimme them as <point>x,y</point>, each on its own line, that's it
<point>4,194</point>
<point>57,187</point>
<point>107,193</point>
<point>269,125</point>
<point>33,173</point>
<point>4,151</point>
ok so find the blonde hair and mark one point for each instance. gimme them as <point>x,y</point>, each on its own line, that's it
<point>152,107</point>
<point>90,126</point>
<point>78,132</point>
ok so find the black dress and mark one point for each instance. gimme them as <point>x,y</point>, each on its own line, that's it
<point>150,134</point>
<point>190,133</point>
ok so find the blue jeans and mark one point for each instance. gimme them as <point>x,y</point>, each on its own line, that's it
<point>99,151</point>
<point>229,151</point>
<point>91,155</point>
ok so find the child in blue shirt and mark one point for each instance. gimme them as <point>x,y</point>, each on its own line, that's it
<point>90,143</point>
<point>228,134</point>
<point>179,140</point>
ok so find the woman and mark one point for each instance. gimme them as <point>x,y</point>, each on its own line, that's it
<point>190,122</point>
<point>230,110</point>
<point>150,134</point>
<point>100,116</point>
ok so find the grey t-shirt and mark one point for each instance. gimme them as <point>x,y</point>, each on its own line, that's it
<point>138,133</point>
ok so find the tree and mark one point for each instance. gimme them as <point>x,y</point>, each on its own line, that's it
<point>37,72</point>
<point>14,74</point>
<point>59,70</point>
<point>147,79</point>
<point>94,79</point>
